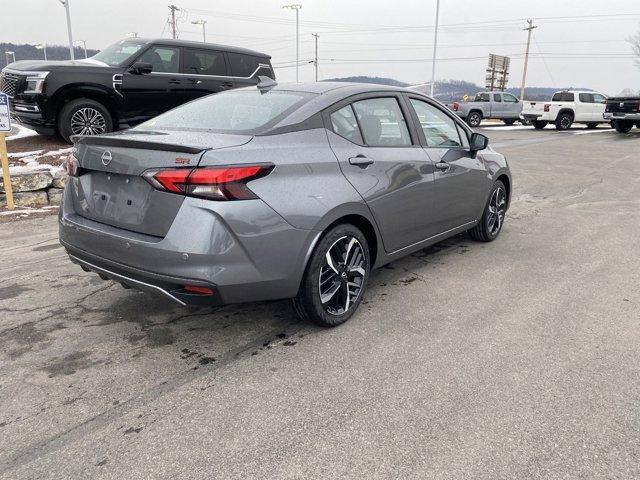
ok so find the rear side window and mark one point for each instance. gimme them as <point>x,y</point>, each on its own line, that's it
<point>243,65</point>
<point>439,129</point>
<point>204,62</point>
<point>563,97</point>
<point>496,98</point>
<point>482,97</point>
<point>382,122</point>
<point>162,59</point>
<point>597,98</point>
<point>344,123</point>
<point>239,111</point>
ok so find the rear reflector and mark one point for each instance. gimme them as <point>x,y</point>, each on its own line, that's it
<point>198,290</point>
<point>213,183</point>
<point>547,107</point>
<point>456,106</point>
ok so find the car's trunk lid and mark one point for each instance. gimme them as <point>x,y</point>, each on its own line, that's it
<point>110,188</point>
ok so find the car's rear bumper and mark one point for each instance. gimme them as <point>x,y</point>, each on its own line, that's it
<point>632,117</point>
<point>531,117</point>
<point>242,251</point>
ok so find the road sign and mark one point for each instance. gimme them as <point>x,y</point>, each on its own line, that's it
<point>5,126</point>
<point>497,72</point>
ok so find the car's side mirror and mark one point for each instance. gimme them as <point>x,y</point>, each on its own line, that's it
<point>141,68</point>
<point>478,142</point>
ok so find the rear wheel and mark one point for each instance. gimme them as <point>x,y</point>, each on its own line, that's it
<point>623,126</point>
<point>84,116</point>
<point>524,121</point>
<point>539,124</point>
<point>592,125</point>
<point>336,277</point>
<point>564,121</point>
<point>474,119</point>
<point>490,225</point>
<point>508,122</point>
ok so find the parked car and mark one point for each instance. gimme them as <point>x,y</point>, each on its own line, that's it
<point>286,191</point>
<point>489,105</point>
<point>566,108</point>
<point>624,112</point>
<point>124,84</point>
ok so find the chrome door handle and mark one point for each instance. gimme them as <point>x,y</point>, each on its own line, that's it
<point>360,160</point>
<point>444,166</point>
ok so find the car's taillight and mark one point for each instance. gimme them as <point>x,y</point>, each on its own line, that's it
<point>73,166</point>
<point>213,183</point>
<point>456,106</point>
<point>547,107</point>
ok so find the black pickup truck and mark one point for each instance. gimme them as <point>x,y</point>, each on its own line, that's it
<point>623,112</point>
<point>124,84</point>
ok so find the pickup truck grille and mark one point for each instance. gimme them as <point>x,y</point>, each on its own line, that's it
<point>9,83</point>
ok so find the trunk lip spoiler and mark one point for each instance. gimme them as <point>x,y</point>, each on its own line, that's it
<point>131,143</point>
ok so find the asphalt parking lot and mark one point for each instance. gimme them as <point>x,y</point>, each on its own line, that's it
<point>514,359</point>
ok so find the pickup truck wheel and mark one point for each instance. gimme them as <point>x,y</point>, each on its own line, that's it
<point>592,125</point>
<point>539,124</point>
<point>564,121</point>
<point>623,126</point>
<point>474,119</point>
<point>525,122</point>
<point>508,122</point>
<point>83,116</point>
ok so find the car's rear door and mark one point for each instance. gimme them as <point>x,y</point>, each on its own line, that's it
<point>151,94</point>
<point>205,72</point>
<point>460,176</point>
<point>497,107</point>
<point>380,155</point>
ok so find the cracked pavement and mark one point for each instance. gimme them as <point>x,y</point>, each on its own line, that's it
<point>514,359</point>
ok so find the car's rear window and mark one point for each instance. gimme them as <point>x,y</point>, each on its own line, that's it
<point>245,111</point>
<point>563,97</point>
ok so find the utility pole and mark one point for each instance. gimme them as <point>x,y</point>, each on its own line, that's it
<point>435,48</point>
<point>43,47</point>
<point>66,6</point>
<point>84,44</point>
<point>173,9</point>
<point>203,23</point>
<point>315,62</point>
<point>296,7</point>
<point>526,57</point>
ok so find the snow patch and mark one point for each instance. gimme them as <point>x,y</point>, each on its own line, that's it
<point>23,132</point>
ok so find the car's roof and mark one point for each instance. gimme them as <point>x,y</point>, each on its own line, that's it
<point>189,43</point>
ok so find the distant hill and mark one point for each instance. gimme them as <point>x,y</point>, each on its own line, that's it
<point>30,52</point>
<point>364,79</point>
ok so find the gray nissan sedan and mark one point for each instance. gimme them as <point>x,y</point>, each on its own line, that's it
<point>279,191</point>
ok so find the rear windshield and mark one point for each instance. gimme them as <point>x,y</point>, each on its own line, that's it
<point>562,97</point>
<point>116,54</point>
<point>245,111</point>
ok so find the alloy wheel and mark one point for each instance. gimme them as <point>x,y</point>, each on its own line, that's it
<point>497,210</point>
<point>342,275</point>
<point>88,121</point>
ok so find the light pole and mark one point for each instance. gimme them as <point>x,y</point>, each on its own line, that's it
<point>84,44</point>
<point>204,33</point>
<point>435,48</point>
<point>296,7</point>
<point>42,46</point>
<point>66,7</point>
<point>8,54</point>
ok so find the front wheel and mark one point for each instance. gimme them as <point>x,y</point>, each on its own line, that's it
<point>474,119</point>
<point>623,126</point>
<point>336,277</point>
<point>592,125</point>
<point>539,124</point>
<point>508,122</point>
<point>490,225</point>
<point>84,116</point>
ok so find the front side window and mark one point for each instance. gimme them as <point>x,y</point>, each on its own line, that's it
<point>118,53</point>
<point>507,97</point>
<point>382,122</point>
<point>204,62</point>
<point>239,111</point>
<point>439,129</point>
<point>162,59</point>
<point>496,98</point>
<point>597,98</point>
<point>344,123</point>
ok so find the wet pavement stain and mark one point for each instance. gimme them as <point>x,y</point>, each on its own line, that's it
<point>46,248</point>
<point>69,364</point>
<point>12,291</point>
<point>161,336</point>
<point>133,430</point>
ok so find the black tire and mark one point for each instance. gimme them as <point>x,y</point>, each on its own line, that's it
<point>486,230</point>
<point>508,122</point>
<point>623,126</point>
<point>308,303</point>
<point>539,124</point>
<point>592,125</point>
<point>474,119</point>
<point>83,116</point>
<point>637,124</point>
<point>564,121</point>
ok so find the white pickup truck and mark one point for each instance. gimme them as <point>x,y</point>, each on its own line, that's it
<point>565,109</point>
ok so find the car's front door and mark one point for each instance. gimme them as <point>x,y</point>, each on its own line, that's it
<point>148,95</point>
<point>380,156</point>
<point>460,176</point>
<point>511,105</point>
<point>205,72</point>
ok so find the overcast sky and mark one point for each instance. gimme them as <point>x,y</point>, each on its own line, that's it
<point>577,42</point>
